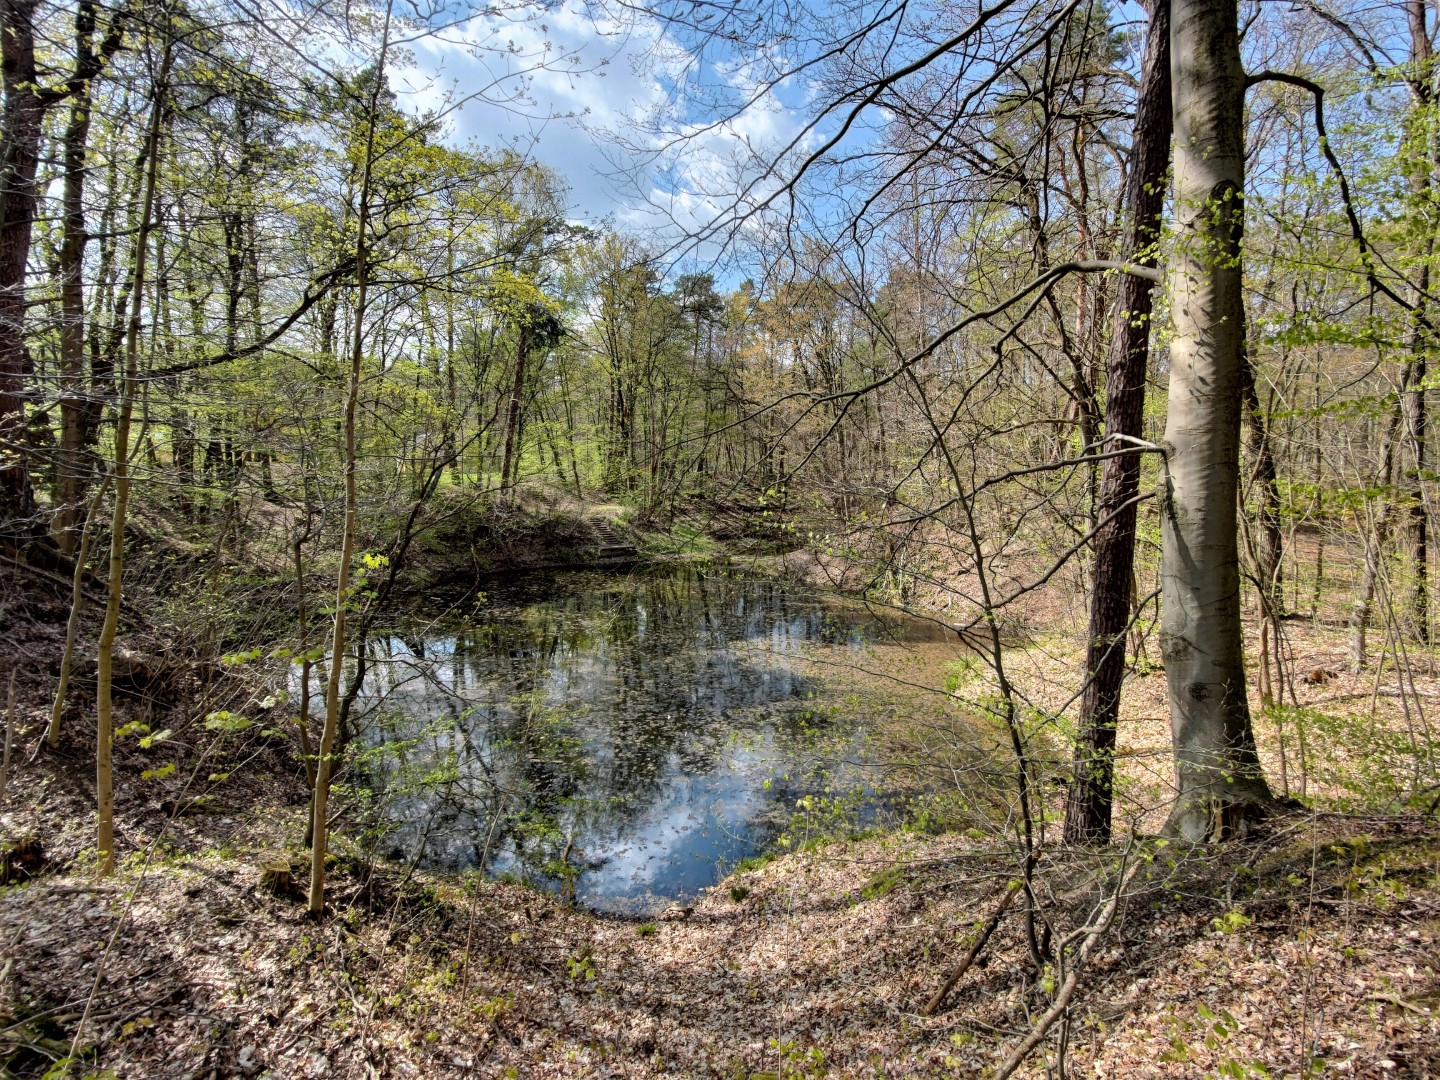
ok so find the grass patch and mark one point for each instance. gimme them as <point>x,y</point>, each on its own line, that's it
<point>754,862</point>
<point>883,883</point>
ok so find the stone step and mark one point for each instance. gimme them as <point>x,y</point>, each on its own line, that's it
<point>612,541</point>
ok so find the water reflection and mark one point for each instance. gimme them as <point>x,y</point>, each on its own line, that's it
<point>618,736</point>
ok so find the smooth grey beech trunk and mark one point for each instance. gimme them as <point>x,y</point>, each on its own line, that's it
<point>1218,773</point>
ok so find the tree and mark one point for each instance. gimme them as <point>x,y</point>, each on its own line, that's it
<point>104,706</point>
<point>27,101</point>
<point>1088,814</point>
<point>72,468</point>
<point>1218,771</point>
<point>330,730</point>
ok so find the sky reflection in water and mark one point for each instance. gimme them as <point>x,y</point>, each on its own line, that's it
<point>643,729</point>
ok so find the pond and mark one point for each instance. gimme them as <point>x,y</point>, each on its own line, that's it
<point>623,739</point>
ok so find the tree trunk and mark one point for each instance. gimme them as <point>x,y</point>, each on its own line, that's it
<point>302,618</point>
<point>26,103</point>
<point>1218,771</point>
<point>1422,85</point>
<point>23,119</point>
<point>105,300</point>
<point>74,466</point>
<point>325,766</point>
<point>1375,542</point>
<point>72,623</point>
<point>509,464</point>
<point>104,717</point>
<point>1088,814</point>
<point>1416,422</point>
<point>1269,552</point>
<point>1268,549</point>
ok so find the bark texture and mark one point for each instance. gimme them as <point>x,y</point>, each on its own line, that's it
<point>1218,772</point>
<point>1266,543</point>
<point>1088,814</point>
<point>23,120</point>
<point>509,464</point>
<point>74,467</point>
<point>26,104</point>
<point>1422,89</point>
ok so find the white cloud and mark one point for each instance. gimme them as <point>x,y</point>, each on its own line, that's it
<point>611,106</point>
<point>548,83</point>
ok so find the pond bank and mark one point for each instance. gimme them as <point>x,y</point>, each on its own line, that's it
<point>815,965</point>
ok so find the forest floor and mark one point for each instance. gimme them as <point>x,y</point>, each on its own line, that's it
<point>1316,938</point>
<point>1310,947</point>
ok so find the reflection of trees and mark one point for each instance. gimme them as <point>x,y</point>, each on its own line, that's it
<point>582,703</point>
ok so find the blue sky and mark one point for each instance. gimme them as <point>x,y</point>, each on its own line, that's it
<point>585,91</point>
<point>575,89</point>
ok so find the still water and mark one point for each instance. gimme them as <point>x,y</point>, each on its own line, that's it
<point>624,738</point>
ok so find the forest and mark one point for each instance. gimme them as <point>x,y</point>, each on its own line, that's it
<point>719,538</point>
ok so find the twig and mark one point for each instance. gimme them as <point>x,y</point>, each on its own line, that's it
<point>1397,1000</point>
<point>980,942</point>
<point>1357,231</point>
<point>126,607</point>
<point>9,735</point>
<point>72,624</point>
<point>70,890</point>
<point>1089,936</point>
